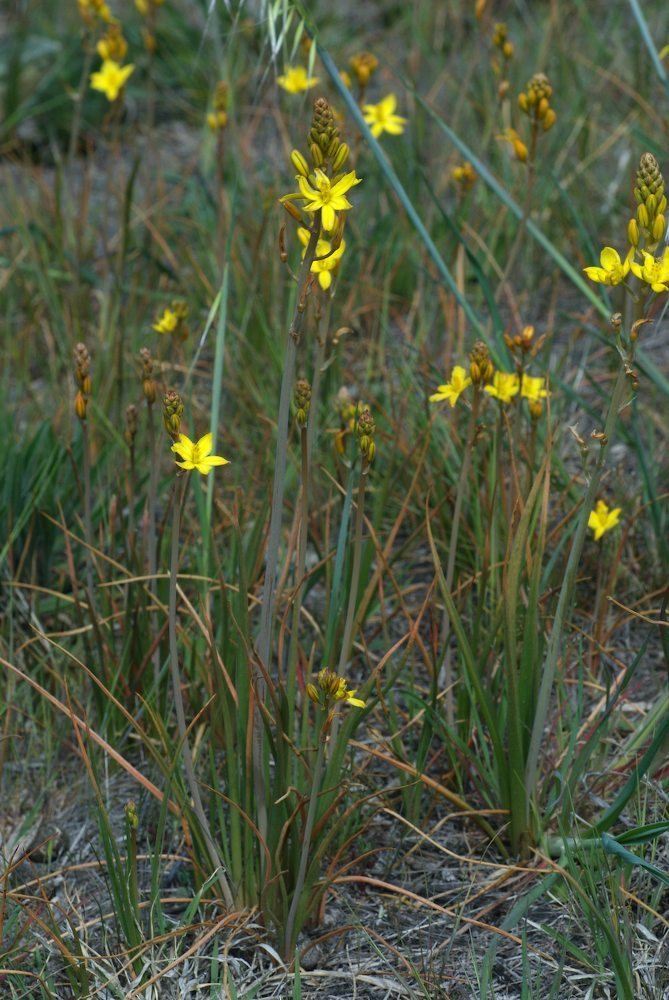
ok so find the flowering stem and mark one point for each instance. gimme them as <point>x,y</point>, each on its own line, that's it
<point>178,699</point>
<point>323,323</point>
<point>300,564</point>
<point>79,101</point>
<point>268,595</point>
<point>306,845</point>
<point>347,641</point>
<point>88,515</point>
<point>452,550</point>
<point>271,560</point>
<point>555,643</point>
<point>151,529</point>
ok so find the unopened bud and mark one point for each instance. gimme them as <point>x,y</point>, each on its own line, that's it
<point>549,120</point>
<point>633,234</point>
<point>80,404</point>
<point>659,226</point>
<point>299,163</point>
<point>316,155</point>
<point>520,149</point>
<point>341,157</point>
<point>293,212</point>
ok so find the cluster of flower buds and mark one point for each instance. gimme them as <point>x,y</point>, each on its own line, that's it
<point>501,40</point>
<point>173,410</point>
<point>131,425</point>
<point>347,410</point>
<point>323,140</point>
<point>217,118</point>
<point>650,223</point>
<point>534,101</point>
<point>481,368</point>
<point>92,10</point>
<point>148,383</point>
<point>113,45</point>
<point>82,375</point>
<point>363,65</point>
<point>302,401</point>
<point>131,816</point>
<point>147,9</point>
<point>365,429</point>
<point>464,175</point>
<point>524,343</point>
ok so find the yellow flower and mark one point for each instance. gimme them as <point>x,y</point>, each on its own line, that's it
<point>167,323</point>
<point>330,688</point>
<point>327,194</point>
<point>110,78</point>
<point>329,258</point>
<point>602,519</point>
<point>344,693</point>
<point>505,385</point>
<point>295,80</point>
<point>613,269</point>
<point>655,272</point>
<point>197,455</point>
<point>381,117</point>
<point>533,388</point>
<point>452,390</point>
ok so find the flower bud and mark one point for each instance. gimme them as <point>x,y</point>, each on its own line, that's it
<point>80,404</point>
<point>341,157</point>
<point>173,409</point>
<point>523,102</point>
<point>520,149</point>
<point>659,226</point>
<point>292,210</point>
<point>633,234</point>
<point>131,425</point>
<point>316,155</point>
<point>302,401</point>
<point>549,120</point>
<point>299,163</point>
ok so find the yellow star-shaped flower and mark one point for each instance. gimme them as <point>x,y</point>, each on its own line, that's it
<point>327,259</point>
<point>197,455</point>
<point>381,117</point>
<point>505,385</point>
<point>111,78</point>
<point>167,323</point>
<point>533,388</point>
<point>296,80</point>
<point>655,272</point>
<point>328,194</point>
<point>603,518</point>
<point>613,270</point>
<point>453,389</point>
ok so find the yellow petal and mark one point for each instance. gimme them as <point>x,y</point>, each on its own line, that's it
<point>204,445</point>
<point>609,258</point>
